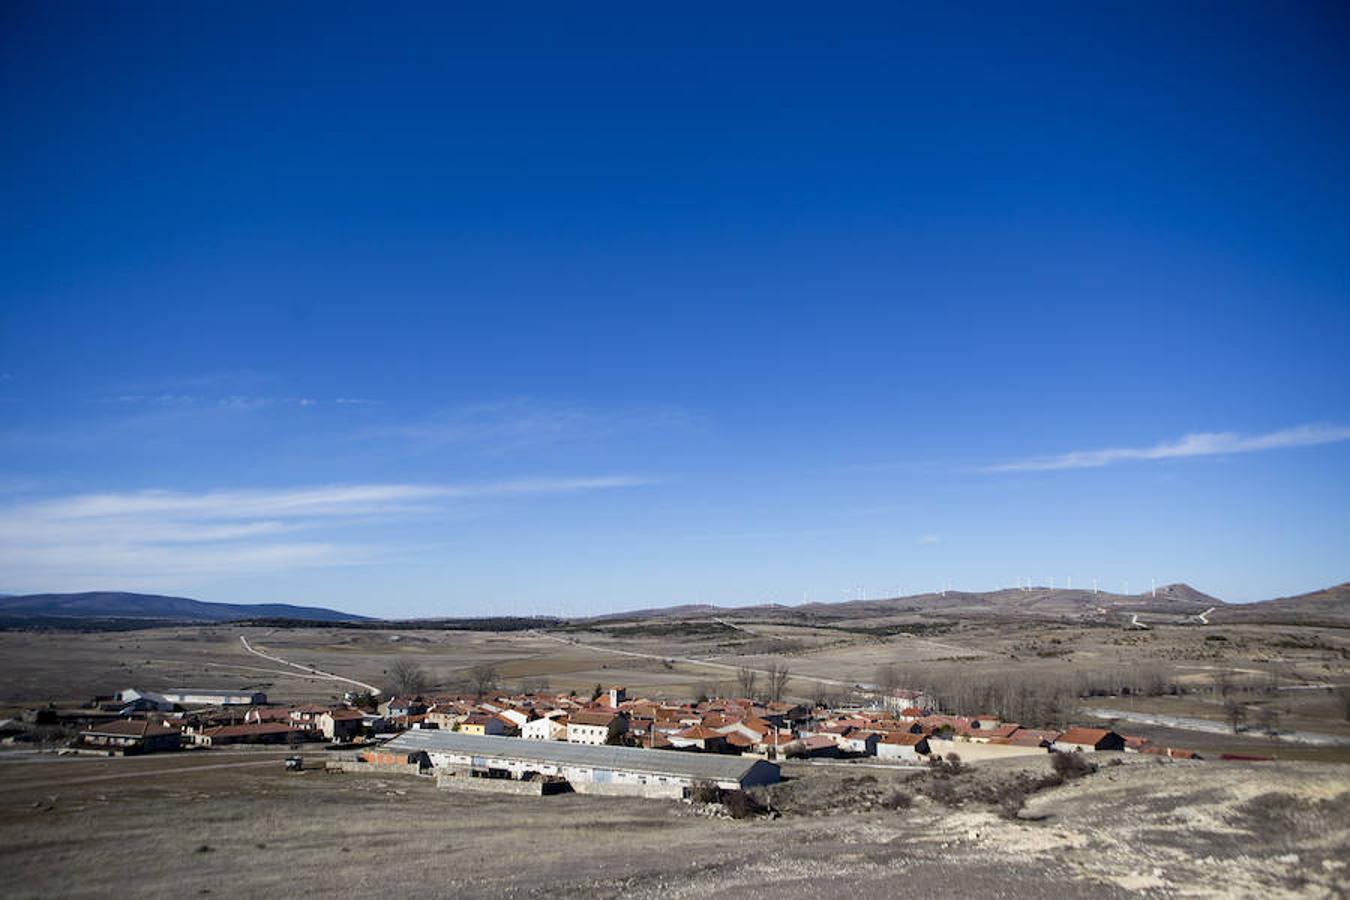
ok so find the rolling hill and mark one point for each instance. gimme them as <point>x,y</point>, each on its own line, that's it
<point>123,605</point>
<point>1327,605</point>
<point>1038,602</point>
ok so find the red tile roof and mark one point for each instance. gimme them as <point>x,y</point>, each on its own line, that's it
<point>699,733</point>
<point>1088,736</point>
<point>594,717</point>
<point>256,729</point>
<point>140,728</point>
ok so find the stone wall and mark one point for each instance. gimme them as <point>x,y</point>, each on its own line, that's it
<point>972,751</point>
<point>456,782</point>
<point>359,767</point>
<point>649,791</point>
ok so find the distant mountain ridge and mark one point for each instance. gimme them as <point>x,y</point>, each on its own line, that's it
<point>1172,599</point>
<point>126,605</point>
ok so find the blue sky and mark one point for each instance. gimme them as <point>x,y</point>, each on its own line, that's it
<point>434,312</point>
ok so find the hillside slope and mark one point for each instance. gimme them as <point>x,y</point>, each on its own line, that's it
<point>124,605</point>
<point>1040,602</point>
<point>1327,605</point>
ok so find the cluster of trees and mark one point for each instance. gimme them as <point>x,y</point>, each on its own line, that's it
<point>405,678</point>
<point>1033,698</point>
<point>773,686</point>
<point>1248,699</point>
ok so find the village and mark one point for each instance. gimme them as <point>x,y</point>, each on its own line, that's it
<point>543,743</point>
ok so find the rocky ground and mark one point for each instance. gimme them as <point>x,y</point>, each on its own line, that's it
<point>167,827</point>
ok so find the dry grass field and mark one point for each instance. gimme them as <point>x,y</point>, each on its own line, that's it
<point>234,824</point>
<point>1288,673</point>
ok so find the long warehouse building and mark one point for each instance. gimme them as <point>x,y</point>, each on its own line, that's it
<point>589,769</point>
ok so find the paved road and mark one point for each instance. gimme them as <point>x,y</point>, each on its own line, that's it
<point>312,671</point>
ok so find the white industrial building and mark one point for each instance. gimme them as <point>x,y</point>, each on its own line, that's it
<point>588,769</point>
<point>190,697</point>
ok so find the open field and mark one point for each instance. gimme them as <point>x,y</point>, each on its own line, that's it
<point>235,824</point>
<point>1287,674</point>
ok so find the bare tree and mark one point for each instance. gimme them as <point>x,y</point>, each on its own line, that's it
<point>1268,720</point>
<point>888,678</point>
<point>1236,714</point>
<point>746,680</point>
<point>777,681</point>
<point>534,686</point>
<point>1224,682</point>
<point>483,677</point>
<point>1343,695</point>
<point>822,694</point>
<point>406,678</point>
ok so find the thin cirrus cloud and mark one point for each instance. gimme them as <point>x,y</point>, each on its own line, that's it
<point>523,424</point>
<point>159,537</point>
<point>1192,445</point>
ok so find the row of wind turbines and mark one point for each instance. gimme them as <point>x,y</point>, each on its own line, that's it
<point>1023,584</point>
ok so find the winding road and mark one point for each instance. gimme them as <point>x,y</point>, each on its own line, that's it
<point>319,673</point>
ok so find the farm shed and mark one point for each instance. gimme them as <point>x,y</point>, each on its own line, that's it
<point>130,736</point>
<point>589,769</point>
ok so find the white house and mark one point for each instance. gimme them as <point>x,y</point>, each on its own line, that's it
<point>549,728</point>
<point>595,727</point>
<point>515,715</point>
<point>902,746</point>
<point>863,742</point>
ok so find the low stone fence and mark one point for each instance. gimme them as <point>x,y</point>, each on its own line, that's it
<point>359,767</point>
<point>456,782</point>
<point>974,751</point>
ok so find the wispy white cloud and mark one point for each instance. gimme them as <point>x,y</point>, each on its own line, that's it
<point>204,402</point>
<point>146,537</point>
<point>930,539</point>
<point>526,424</point>
<point>1192,445</point>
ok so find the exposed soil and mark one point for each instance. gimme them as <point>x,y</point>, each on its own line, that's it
<point>1161,828</point>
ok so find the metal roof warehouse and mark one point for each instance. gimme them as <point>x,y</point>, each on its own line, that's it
<point>585,765</point>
